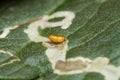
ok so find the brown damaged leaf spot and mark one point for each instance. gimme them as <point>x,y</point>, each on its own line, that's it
<point>65,66</point>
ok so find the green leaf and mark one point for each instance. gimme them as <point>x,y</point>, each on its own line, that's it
<point>94,32</point>
<point>83,76</point>
<point>33,60</point>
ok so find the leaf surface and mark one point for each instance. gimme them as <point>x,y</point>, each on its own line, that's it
<point>95,32</point>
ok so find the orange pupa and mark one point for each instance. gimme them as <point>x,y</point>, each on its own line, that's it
<point>56,38</point>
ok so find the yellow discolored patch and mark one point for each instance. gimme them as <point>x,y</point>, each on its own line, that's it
<point>56,38</point>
